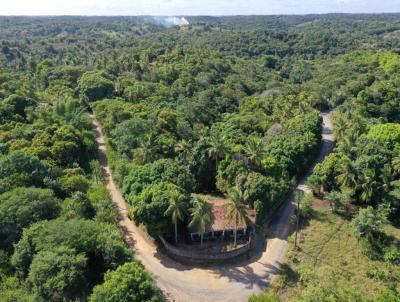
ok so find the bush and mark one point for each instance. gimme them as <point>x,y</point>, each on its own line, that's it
<point>265,297</point>
<point>368,223</point>
<point>58,275</point>
<point>306,210</point>
<point>129,283</point>
<point>335,200</point>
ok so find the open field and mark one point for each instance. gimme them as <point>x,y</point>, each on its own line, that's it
<point>330,255</point>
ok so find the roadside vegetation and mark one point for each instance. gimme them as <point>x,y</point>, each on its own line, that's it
<point>332,264</point>
<point>224,106</point>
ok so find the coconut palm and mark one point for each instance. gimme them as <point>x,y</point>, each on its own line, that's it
<point>346,145</point>
<point>340,127</point>
<point>144,154</point>
<point>236,209</point>
<point>368,185</point>
<point>183,148</point>
<point>176,209</point>
<point>201,217</point>
<point>348,173</point>
<point>254,149</point>
<point>217,149</point>
<point>396,163</point>
<point>386,178</point>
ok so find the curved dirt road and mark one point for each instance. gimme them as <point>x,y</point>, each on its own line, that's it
<point>218,284</point>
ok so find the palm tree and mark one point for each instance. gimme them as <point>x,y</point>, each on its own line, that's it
<point>254,150</point>
<point>236,209</point>
<point>201,217</point>
<point>346,145</point>
<point>348,173</point>
<point>368,185</point>
<point>176,209</point>
<point>386,178</point>
<point>182,148</point>
<point>340,127</point>
<point>217,149</point>
<point>396,163</point>
<point>144,154</point>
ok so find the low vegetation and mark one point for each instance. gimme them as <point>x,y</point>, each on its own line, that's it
<point>331,263</point>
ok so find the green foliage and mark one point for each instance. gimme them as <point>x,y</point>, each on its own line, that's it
<point>177,209</point>
<point>335,200</point>
<point>224,102</point>
<point>78,206</point>
<point>58,275</point>
<point>164,170</point>
<point>387,134</point>
<point>100,243</point>
<point>306,210</point>
<point>21,207</point>
<point>129,283</point>
<point>101,201</point>
<point>264,297</point>
<point>73,183</point>
<point>236,210</point>
<point>21,169</point>
<point>201,217</point>
<point>95,85</point>
<point>12,290</point>
<point>151,204</point>
<point>19,104</point>
<point>368,222</point>
<point>129,134</point>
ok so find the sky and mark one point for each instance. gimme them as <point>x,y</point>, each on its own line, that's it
<point>193,7</point>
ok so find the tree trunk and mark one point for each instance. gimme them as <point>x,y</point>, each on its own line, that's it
<point>201,240</point>
<point>235,233</point>
<point>216,166</point>
<point>176,232</point>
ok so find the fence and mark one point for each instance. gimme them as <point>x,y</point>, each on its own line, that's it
<point>199,257</point>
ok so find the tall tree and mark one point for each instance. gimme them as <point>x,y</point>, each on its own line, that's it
<point>201,217</point>
<point>183,149</point>
<point>396,163</point>
<point>144,154</point>
<point>341,126</point>
<point>217,149</point>
<point>347,173</point>
<point>236,209</point>
<point>368,185</point>
<point>176,209</point>
<point>254,149</point>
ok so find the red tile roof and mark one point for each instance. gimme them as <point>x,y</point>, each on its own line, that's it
<point>219,216</point>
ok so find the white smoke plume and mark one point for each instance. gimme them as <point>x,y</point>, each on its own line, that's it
<point>170,21</point>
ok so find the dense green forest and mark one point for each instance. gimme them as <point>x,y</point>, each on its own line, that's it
<point>220,104</point>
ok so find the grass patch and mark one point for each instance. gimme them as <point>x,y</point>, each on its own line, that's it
<point>330,257</point>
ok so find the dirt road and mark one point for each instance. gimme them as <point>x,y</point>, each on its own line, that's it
<point>225,283</point>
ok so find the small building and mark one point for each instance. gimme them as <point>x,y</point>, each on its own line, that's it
<point>221,226</point>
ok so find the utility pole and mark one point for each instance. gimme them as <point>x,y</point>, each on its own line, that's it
<point>297,196</point>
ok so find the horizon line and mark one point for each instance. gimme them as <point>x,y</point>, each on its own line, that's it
<point>203,15</point>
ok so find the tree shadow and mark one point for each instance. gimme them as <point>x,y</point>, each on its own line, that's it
<point>255,253</point>
<point>247,276</point>
<point>288,275</point>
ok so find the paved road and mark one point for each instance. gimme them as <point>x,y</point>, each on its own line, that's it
<point>229,283</point>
